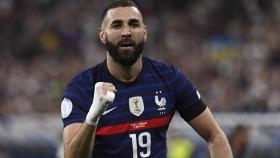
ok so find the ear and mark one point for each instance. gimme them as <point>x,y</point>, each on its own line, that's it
<point>145,32</point>
<point>102,35</point>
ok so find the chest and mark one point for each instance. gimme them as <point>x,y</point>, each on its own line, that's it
<point>138,103</point>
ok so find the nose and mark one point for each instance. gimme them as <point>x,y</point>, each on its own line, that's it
<point>126,31</point>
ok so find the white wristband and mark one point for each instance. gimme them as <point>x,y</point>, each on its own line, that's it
<point>99,104</point>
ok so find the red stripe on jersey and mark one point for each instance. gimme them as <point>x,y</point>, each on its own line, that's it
<point>138,125</point>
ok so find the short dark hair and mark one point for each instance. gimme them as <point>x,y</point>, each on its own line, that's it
<point>117,4</point>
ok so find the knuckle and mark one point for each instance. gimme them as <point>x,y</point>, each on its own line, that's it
<point>99,84</point>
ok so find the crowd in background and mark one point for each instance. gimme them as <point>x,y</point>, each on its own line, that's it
<point>229,49</point>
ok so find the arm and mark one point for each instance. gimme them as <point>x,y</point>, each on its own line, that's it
<point>78,138</point>
<point>206,126</point>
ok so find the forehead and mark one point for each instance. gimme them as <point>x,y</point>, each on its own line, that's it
<point>123,13</point>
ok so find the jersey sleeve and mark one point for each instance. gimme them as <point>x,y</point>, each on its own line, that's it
<point>74,105</point>
<point>187,98</point>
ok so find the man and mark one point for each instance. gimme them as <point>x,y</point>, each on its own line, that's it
<point>239,140</point>
<point>122,107</point>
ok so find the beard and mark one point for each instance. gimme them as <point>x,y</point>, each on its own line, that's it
<point>124,59</point>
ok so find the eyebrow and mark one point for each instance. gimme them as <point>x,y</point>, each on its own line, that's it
<point>131,21</point>
<point>116,22</point>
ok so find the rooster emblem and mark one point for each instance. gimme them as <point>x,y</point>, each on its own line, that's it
<point>160,102</point>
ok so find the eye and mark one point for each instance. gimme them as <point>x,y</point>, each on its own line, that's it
<point>134,25</point>
<point>116,26</point>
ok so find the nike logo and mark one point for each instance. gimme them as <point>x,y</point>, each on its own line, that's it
<point>107,111</point>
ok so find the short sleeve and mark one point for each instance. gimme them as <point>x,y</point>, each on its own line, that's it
<point>187,98</point>
<point>76,101</point>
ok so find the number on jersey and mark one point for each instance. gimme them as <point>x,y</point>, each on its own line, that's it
<point>144,141</point>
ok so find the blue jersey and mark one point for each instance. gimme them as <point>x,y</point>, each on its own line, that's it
<point>135,124</point>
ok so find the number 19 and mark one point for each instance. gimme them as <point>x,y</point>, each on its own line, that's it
<point>141,143</point>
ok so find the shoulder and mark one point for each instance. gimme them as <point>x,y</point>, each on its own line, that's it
<point>155,64</point>
<point>162,68</point>
<point>81,85</point>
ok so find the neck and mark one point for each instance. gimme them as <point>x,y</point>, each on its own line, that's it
<point>124,73</point>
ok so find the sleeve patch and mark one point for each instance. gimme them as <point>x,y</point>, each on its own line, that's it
<point>198,94</point>
<point>66,108</point>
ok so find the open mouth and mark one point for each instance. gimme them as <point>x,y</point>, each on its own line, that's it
<point>126,44</point>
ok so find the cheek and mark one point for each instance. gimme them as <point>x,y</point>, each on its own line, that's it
<point>113,36</point>
<point>139,36</point>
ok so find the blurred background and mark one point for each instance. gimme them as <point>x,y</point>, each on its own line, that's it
<point>230,49</point>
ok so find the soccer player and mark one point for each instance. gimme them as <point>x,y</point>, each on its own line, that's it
<point>122,107</point>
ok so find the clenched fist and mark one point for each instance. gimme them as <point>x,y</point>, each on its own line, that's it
<point>104,94</point>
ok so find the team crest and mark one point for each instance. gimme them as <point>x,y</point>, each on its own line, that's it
<point>161,103</point>
<point>136,105</point>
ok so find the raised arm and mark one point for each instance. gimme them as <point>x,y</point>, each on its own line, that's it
<point>206,126</point>
<point>78,138</point>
